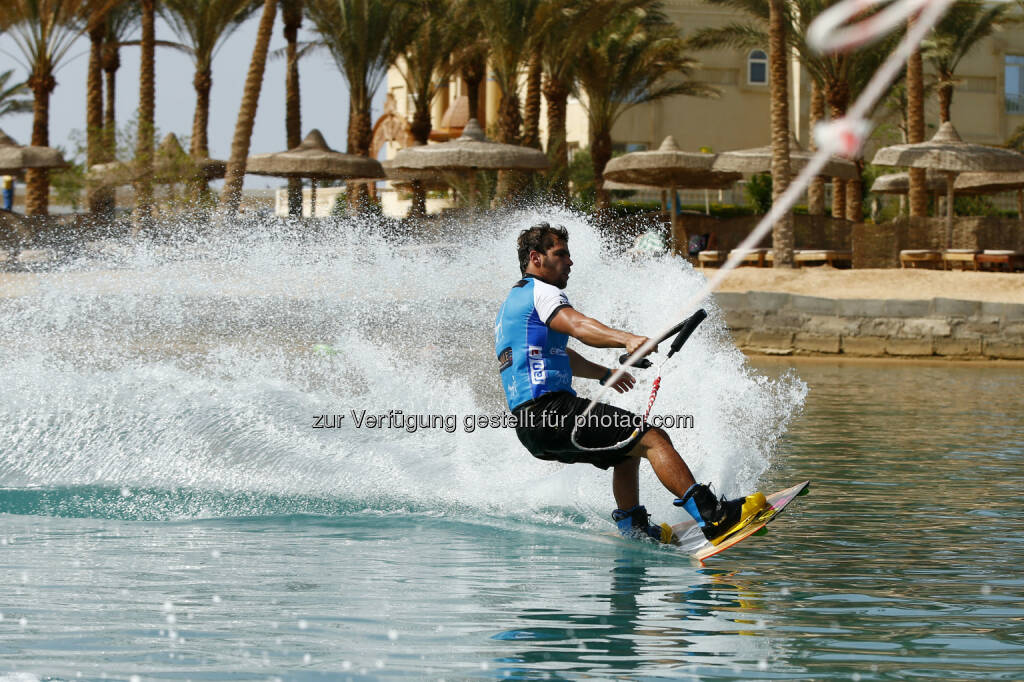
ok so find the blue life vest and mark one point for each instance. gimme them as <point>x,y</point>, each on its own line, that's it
<point>531,356</point>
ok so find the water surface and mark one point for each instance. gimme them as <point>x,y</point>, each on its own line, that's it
<point>168,511</point>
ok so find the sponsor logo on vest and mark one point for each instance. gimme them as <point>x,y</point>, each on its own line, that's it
<point>505,359</point>
<point>537,371</point>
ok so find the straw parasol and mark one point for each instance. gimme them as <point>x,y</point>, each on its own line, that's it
<point>313,159</point>
<point>992,183</point>
<point>453,122</point>
<point>948,153</point>
<point>171,164</point>
<point>668,166</point>
<point>470,152</point>
<point>759,160</point>
<point>899,183</point>
<point>405,176</point>
<point>15,157</point>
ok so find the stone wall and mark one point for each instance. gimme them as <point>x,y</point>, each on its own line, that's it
<point>879,246</point>
<point>791,324</point>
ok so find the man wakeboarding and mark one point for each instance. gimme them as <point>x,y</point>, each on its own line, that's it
<point>537,369</point>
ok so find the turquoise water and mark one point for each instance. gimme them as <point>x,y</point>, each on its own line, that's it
<point>168,511</point>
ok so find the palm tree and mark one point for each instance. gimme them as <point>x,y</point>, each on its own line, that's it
<point>563,28</point>
<point>425,67</point>
<point>816,190</point>
<point>637,57</point>
<point>121,21</point>
<point>918,194</point>
<point>508,27</point>
<point>202,27</point>
<point>531,107</point>
<point>959,31</point>
<point>44,31</point>
<point>364,37</point>
<point>470,56</point>
<point>231,194</point>
<point>144,145</point>
<point>291,16</point>
<point>11,101</point>
<point>778,74</point>
<point>97,201</point>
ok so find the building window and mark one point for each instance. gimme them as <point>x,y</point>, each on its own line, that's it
<point>757,68</point>
<point>1013,86</point>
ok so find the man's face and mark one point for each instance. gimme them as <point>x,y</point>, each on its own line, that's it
<point>553,265</point>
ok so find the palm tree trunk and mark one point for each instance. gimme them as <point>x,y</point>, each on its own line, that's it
<point>838,184</point>
<point>837,96</point>
<point>510,183</point>
<point>37,180</point>
<point>782,231</point>
<point>202,82</point>
<point>96,198</point>
<point>291,13</point>
<point>420,129</point>
<point>531,110</point>
<point>854,203</point>
<point>231,195</point>
<point>111,63</point>
<point>147,110</point>
<point>816,190</point>
<point>915,131</point>
<point>473,72</point>
<point>556,94</point>
<point>360,136</point>
<point>945,98</point>
<point>600,155</point>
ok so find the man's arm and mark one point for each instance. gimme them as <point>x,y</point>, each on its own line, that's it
<point>581,367</point>
<point>570,321</point>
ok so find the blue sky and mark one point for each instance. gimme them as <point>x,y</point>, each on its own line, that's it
<point>324,94</point>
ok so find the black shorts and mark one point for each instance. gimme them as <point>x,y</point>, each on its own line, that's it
<point>546,429</point>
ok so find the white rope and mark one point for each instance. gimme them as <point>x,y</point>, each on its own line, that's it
<point>843,136</point>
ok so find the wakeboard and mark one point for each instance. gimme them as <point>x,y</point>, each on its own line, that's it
<point>755,525</point>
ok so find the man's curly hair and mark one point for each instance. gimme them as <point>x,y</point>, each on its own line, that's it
<point>539,237</point>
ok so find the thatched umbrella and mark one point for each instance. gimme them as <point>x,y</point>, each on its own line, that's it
<point>470,152</point>
<point>992,183</point>
<point>404,176</point>
<point>759,160</point>
<point>15,158</point>
<point>404,179</point>
<point>313,159</point>
<point>171,164</point>
<point>947,153</point>
<point>453,122</point>
<point>899,183</point>
<point>668,166</point>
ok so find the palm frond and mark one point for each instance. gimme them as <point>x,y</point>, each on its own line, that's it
<point>14,98</point>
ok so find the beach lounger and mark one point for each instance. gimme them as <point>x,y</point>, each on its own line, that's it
<point>962,257</point>
<point>710,257</point>
<point>828,256</point>
<point>996,259</point>
<point>920,258</point>
<point>755,257</point>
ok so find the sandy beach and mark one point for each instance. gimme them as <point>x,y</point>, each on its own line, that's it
<point>917,284</point>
